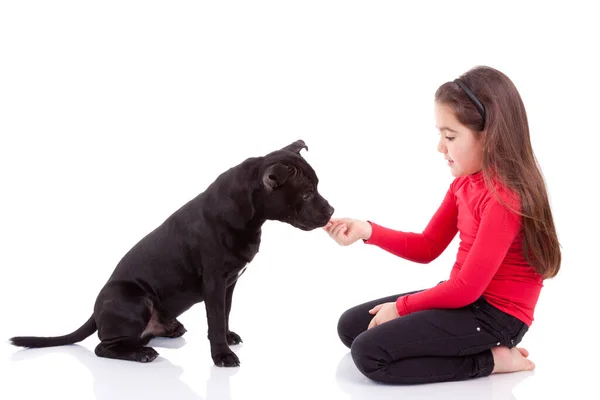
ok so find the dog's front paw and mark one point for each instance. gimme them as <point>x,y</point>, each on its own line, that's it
<point>233,338</point>
<point>226,359</point>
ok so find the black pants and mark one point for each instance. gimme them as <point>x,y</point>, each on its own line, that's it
<point>428,346</point>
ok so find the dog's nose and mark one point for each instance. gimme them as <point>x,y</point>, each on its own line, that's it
<point>330,210</point>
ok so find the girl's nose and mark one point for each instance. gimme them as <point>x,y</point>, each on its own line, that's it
<point>441,147</point>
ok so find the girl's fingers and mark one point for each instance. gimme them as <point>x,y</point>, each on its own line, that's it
<point>375,309</point>
<point>338,230</point>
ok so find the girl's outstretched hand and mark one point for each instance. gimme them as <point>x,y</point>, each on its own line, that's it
<point>346,231</point>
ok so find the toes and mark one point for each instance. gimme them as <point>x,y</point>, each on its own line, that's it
<point>522,360</point>
<point>530,366</point>
<point>233,338</point>
<point>174,329</point>
<point>523,352</point>
<point>178,333</point>
<point>147,354</point>
<point>226,359</point>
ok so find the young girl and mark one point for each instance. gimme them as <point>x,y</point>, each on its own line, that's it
<point>469,325</point>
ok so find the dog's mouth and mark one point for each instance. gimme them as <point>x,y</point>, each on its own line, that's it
<point>302,226</point>
<point>309,226</point>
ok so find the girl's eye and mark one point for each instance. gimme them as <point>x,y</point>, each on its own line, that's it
<point>450,138</point>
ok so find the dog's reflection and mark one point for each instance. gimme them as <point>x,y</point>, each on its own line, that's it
<point>359,387</point>
<point>160,379</point>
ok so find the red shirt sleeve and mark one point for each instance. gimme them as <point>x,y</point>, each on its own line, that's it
<point>420,247</point>
<point>498,229</point>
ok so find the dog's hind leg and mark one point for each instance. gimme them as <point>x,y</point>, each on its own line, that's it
<point>172,329</point>
<point>123,315</point>
<point>129,351</point>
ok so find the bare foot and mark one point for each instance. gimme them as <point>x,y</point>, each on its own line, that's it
<point>511,360</point>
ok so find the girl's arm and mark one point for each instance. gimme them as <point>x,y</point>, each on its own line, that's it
<point>420,247</point>
<point>498,229</point>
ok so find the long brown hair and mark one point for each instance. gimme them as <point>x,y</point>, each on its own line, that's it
<point>508,155</point>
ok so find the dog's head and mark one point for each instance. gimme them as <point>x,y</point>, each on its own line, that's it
<point>290,189</point>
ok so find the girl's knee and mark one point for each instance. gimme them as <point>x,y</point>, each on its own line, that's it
<point>345,328</point>
<point>364,355</point>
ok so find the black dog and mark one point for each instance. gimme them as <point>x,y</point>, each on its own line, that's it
<point>197,254</point>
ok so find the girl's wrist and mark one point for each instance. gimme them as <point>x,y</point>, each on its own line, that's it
<point>367,230</point>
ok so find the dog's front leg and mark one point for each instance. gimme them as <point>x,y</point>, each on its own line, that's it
<point>215,302</point>
<point>232,337</point>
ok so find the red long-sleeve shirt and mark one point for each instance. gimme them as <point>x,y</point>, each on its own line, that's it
<point>490,259</point>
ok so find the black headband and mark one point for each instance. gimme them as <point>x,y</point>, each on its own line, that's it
<point>473,98</point>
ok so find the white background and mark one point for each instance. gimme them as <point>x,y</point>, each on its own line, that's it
<point>115,113</point>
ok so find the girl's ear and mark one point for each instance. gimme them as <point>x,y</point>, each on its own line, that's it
<point>482,136</point>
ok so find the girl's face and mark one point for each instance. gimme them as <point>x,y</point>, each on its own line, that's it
<point>460,146</point>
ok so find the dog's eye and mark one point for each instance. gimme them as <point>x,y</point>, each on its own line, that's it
<point>307,196</point>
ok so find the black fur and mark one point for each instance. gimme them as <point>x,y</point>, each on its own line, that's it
<point>197,254</point>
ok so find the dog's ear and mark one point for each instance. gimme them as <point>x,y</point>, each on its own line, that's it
<point>275,176</point>
<point>296,146</point>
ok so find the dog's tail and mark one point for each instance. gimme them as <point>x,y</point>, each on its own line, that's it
<point>35,342</point>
